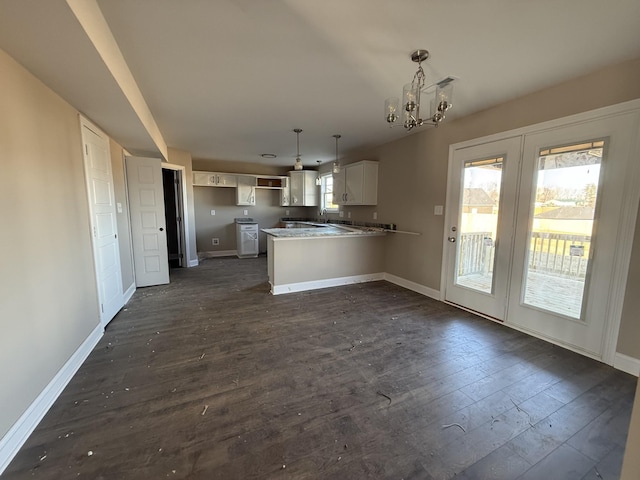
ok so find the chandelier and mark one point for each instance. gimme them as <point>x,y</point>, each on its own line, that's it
<point>411,101</point>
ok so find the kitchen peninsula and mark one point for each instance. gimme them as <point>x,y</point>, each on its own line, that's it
<point>315,256</point>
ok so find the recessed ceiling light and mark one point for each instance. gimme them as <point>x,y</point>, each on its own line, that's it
<point>268,155</point>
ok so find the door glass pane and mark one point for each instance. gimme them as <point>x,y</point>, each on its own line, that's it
<point>559,242</point>
<point>478,224</point>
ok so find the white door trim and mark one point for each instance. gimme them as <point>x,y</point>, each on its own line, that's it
<point>626,225</point>
<point>188,261</point>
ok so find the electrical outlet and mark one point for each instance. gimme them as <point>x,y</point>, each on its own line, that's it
<point>245,212</point>
<point>215,241</point>
<point>286,212</point>
<point>438,210</point>
<point>348,214</point>
<point>375,215</point>
<point>341,214</point>
<point>213,212</point>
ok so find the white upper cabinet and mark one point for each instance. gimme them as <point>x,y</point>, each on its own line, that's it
<point>285,193</point>
<point>246,190</point>
<point>356,184</point>
<point>213,179</point>
<point>303,188</point>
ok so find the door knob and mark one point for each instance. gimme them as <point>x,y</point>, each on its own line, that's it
<point>161,229</point>
<point>452,239</point>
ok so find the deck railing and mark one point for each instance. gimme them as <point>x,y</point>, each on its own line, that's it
<point>476,253</point>
<point>559,254</point>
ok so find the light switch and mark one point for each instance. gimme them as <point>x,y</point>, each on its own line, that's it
<point>438,209</point>
<point>375,215</point>
<point>119,207</point>
<point>213,212</point>
<point>286,212</point>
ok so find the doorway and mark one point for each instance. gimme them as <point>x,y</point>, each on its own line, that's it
<point>535,223</point>
<point>173,211</point>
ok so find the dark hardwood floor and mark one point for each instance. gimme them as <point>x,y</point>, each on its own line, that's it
<point>212,377</point>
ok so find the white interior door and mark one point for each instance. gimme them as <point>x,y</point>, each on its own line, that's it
<point>104,228</point>
<point>148,229</point>
<point>481,207</point>
<point>568,230</point>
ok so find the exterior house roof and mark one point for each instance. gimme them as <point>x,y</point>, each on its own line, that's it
<point>477,197</point>
<point>568,213</point>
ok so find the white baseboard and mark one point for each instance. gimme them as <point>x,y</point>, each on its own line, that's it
<point>27,423</point>
<point>218,253</point>
<point>329,282</point>
<point>416,287</point>
<point>627,364</point>
<point>194,263</point>
<point>129,293</point>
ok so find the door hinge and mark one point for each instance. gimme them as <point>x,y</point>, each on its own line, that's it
<point>86,149</point>
<point>102,307</point>
<point>94,231</point>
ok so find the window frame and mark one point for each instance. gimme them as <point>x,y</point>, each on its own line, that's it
<point>324,205</point>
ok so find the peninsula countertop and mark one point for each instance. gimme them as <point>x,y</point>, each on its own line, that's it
<point>323,230</point>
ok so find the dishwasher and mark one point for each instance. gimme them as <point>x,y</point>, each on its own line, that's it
<point>246,237</point>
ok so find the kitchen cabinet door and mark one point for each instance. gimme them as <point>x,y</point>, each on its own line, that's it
<point>213,179</point>
<point>246,190</point>
<point>304,191</point>
<point>356,184</point>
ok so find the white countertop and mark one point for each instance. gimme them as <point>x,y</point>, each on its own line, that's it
<point>324,230</point>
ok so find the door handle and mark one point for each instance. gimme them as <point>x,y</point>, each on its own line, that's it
<point>452,239</point>
<point>161,229</point>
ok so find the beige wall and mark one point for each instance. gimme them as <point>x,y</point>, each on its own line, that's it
<point>124,225</point>
<point>324,258</point>
<point>48,296</point>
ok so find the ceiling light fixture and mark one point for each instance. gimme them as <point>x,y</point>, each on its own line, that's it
<point>268,155</point>
<point>298,164</point>
<point>411,98</point>
<point>336,163</point>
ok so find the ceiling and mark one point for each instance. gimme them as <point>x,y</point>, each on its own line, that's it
<point>231,79</point>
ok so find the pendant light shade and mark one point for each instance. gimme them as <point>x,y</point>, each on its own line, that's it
<point>298,164</point>
<point>336,162</point>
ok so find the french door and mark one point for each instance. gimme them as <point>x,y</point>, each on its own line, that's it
<point>482,190</point>
<point>533,228</point>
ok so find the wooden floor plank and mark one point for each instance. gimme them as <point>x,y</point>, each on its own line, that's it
<point>213,377</point>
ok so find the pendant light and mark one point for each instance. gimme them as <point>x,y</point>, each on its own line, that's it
<point>336,163</point>
<point>298,164</point>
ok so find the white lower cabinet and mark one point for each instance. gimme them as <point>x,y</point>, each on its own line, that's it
<point>356,184</point>
<point>304,191</point>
